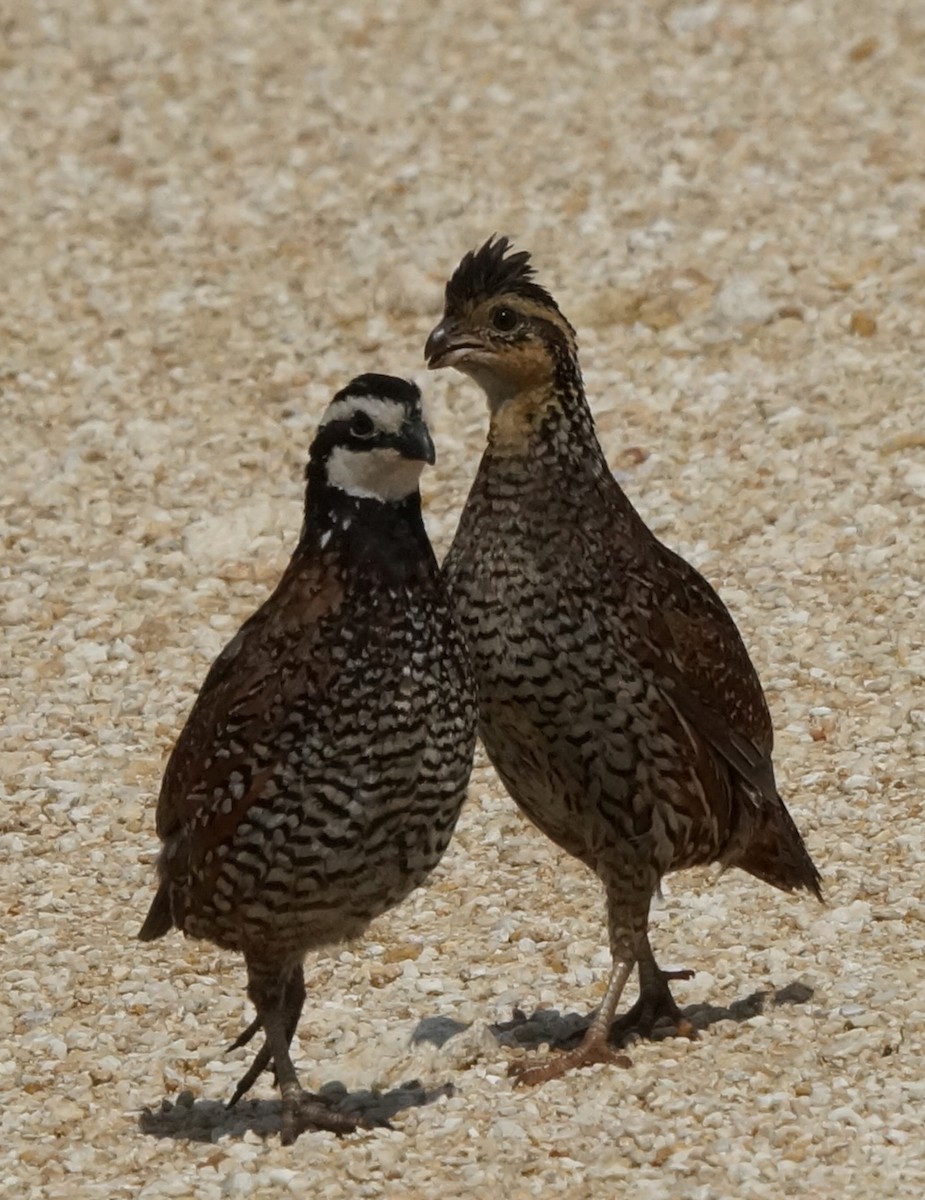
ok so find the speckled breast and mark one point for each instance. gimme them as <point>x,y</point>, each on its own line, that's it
<point>362,801</point>
<point>578,733</point>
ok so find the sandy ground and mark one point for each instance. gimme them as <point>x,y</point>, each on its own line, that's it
<point>214,214</point>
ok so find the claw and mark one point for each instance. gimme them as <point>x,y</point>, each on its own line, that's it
<point>243,1038</point>
<point>594,1049</point>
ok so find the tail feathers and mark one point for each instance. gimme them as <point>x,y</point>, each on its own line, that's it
<point>159,919</point>
<point>778,855</point>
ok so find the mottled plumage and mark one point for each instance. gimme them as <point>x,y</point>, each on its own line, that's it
<point>321,770</point>
<point>617,700</point>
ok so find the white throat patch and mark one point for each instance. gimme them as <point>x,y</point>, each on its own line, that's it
<point>380,474</point>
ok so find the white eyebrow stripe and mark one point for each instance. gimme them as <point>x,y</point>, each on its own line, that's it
<point>388,415</point>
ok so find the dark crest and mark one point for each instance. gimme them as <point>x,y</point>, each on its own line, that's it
<point>402,391</point>
<point>493,271</point>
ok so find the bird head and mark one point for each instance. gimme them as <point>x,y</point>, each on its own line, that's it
<point>499,327</point>
<point>373,441</point>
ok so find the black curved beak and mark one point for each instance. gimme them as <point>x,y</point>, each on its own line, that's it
<point>414,441</point>
<point>436,345</point>
<point>447,345</point>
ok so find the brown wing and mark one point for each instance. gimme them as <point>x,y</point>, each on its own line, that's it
<point>276,657</point>
<point>691,642</point>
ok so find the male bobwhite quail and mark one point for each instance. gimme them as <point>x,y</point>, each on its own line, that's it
<point>617,700</point>
<point>321,770</point>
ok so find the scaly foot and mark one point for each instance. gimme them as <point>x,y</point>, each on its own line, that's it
<point>594,1049</point>
<point>655,1014</point>
<point>306,1110</point>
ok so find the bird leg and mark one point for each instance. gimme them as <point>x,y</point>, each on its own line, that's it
<point>301,1110</point>
<point>655,1006</point>
<point>594,1047</point>
<point>291,999</point>
<point>627,919</point>
<point>279,1001</point>
<point>252,1074</point>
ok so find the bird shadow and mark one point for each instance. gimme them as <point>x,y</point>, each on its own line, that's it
<point>564,1031</point>
<point>188,1119</point>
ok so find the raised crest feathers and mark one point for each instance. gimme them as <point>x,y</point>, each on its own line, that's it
<point>493,270</point>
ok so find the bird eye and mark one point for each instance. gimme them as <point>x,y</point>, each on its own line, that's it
<point>361,425</point>
<point>504,319</point>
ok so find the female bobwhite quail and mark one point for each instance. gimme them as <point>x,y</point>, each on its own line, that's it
<point>617,700</point>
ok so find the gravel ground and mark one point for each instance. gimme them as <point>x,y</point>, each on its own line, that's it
<point>212,215</point>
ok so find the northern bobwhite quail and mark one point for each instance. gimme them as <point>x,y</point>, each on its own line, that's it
<point>617,700</point>
<point>321,770</point>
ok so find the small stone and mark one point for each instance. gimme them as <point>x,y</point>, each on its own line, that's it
<point>864,49</point>
<point>862,323</point>
<point>382,975</point>
<point>239,1183</point>
<point>741,300</point>
<point>407,951</point>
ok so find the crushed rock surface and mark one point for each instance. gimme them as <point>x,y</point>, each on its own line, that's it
<point>211,217</point>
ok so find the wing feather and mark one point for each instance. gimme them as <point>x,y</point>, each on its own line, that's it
<point>278,654</point>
